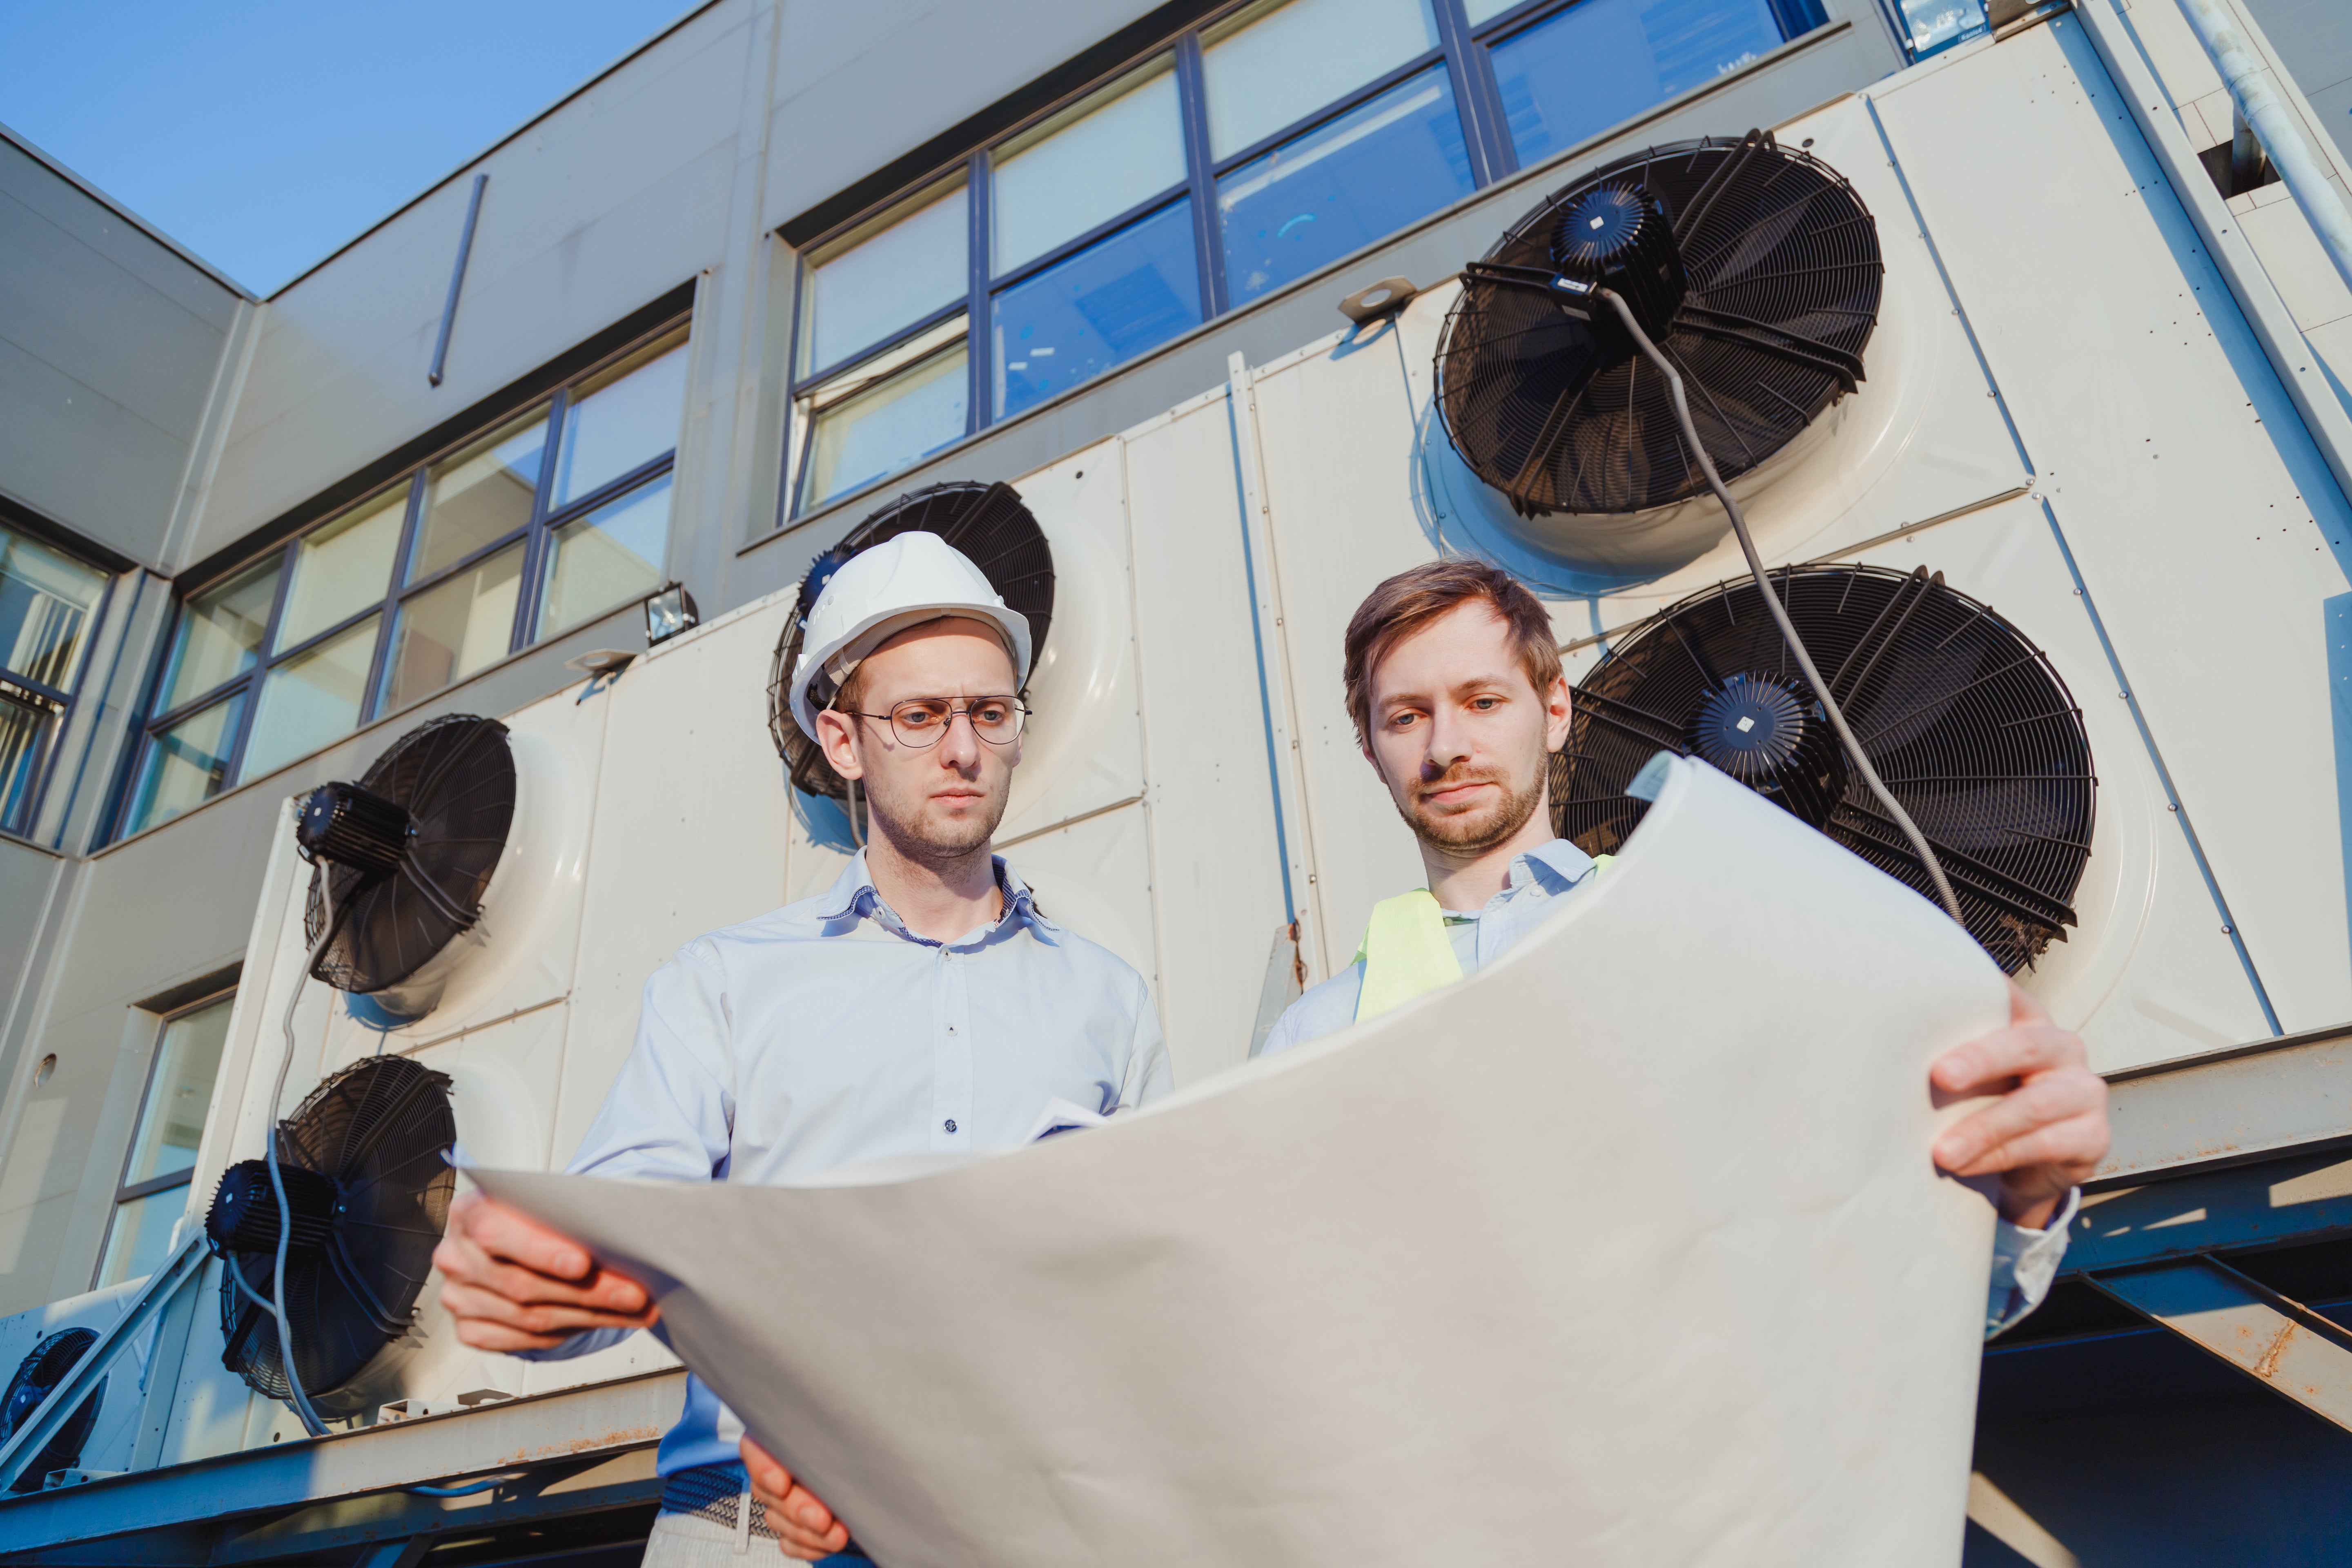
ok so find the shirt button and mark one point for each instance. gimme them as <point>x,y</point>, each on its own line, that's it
<point>951,1123</point>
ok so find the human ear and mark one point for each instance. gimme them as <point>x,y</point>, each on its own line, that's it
<point>1558,711</point>
<point>836,737</point>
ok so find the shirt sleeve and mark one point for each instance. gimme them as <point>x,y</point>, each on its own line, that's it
<point>2024,1263</point>
<point>1150,1074</point>
<point>1326,1009</point>
<point>671,1112</point>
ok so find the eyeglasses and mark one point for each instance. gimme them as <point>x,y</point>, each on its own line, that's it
<point>922,720</point>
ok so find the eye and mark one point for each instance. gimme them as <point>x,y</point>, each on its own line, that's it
<point>992,713</point>
<point>1485,704</point>
<point>919,715</point>
<point>1403,720</point>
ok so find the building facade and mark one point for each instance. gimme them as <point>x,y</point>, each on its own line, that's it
<point>695,323</point>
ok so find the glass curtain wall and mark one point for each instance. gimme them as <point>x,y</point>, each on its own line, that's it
<point>49,601</point>
<point>1249,152</point>
<point>556,517</point>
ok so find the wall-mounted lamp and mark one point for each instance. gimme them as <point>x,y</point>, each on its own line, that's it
<point>669,612</point>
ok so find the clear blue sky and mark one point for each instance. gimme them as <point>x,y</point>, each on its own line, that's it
<point>261,134</point>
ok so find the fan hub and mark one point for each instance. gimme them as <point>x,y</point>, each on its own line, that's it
<point>1616,236</point>
<point>1749,727</point>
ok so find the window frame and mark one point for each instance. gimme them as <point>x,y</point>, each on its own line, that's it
<point>535,534</point>
<point>127,1192</point>
<point>55,704</point>
<point>1463,49</point>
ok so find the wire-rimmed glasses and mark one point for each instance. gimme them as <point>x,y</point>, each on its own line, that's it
<point>920,720</point>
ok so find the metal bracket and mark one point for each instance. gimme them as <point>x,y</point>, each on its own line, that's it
<point>1384,298</point>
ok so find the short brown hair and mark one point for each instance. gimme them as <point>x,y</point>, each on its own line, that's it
<point>1411,600</point>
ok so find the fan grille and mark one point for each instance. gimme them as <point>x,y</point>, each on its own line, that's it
<point>38,1375</point>
<point>1783,271</point>
<point>1969,726</point>
<point>378,1131</point>
<point>456,777</point>
<point>989,524</point>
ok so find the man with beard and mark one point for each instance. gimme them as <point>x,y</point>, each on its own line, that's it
<point>923,1004</point>
<point>1456,687</point>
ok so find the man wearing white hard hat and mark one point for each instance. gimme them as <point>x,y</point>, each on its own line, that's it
<point>923,1004</point>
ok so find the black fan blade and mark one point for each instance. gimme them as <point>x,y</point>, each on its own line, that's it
<point>1972,730</point>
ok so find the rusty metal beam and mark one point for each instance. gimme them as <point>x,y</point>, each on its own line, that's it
<point>2279,1343</point>
<point>2240,1103</point>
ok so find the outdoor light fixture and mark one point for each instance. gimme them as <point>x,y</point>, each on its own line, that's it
<point>669,612</point>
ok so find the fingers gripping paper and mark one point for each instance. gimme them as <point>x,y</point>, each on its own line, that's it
<point>1626,1250</point>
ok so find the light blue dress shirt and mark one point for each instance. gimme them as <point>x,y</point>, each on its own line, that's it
<point>2024,1261</point>
<point>826,1034</point>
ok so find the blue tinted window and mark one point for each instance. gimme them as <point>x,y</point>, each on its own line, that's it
<point>1594,65</point>
<point>1108,302</point>
<point>1343,185</point>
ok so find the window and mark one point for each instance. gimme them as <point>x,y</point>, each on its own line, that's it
<point>154,1192</point>
<point>528,529</point>
<point>48,600</point>
<point>1244,154</point>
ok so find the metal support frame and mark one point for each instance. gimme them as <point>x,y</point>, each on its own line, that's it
<point>579,1449</point>
<point>2231,1106</point>
<point>2279,1343</point>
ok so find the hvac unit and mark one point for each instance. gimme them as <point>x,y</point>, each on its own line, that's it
<point>367,1187</point>
<point>1830,376</point>
<point>38,1349</point>
<point>1968,725</point>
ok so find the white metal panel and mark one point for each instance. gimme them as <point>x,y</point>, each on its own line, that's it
<point>2202,518</point>
<point>1336,426</point>
<point>690,836</point>
<point>1216,867</point>
<point>1094,877</point>
<point>2148,973</point>
<point>1084,750</point>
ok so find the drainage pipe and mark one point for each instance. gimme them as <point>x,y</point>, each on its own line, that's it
<point>2291,154</point>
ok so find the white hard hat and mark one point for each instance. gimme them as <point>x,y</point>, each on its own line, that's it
<point>902,581</point>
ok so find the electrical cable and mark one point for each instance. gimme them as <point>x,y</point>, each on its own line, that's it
<point>1779,610</point>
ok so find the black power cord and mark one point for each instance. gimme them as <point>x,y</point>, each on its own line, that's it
<point>1772,601</point>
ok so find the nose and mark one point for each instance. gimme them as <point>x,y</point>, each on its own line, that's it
<point>1448,741</point>
<point>960,747</point>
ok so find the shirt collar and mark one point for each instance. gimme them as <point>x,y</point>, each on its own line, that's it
<point>853,897</point>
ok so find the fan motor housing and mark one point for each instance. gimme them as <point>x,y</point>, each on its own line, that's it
<point>356,827</point>
<point>244,1215</point>
<point>1615,236</point>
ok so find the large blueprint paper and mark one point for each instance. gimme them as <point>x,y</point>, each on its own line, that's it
<point>1626,1251</point>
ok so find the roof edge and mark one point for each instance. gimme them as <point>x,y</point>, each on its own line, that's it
<point>18,138</point>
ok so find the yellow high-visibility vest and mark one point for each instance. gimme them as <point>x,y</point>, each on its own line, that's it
<point>1405,952</point>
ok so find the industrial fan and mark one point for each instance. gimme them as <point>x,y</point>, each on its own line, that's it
<point>368,1191</point>
<point>407,853</point>
<point>43,1368</point>
<point>1963,719</point>
<point>1755,268</point>
<point>988,523</point>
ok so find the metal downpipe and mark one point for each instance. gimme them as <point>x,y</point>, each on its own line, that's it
<point>2281,137</point>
